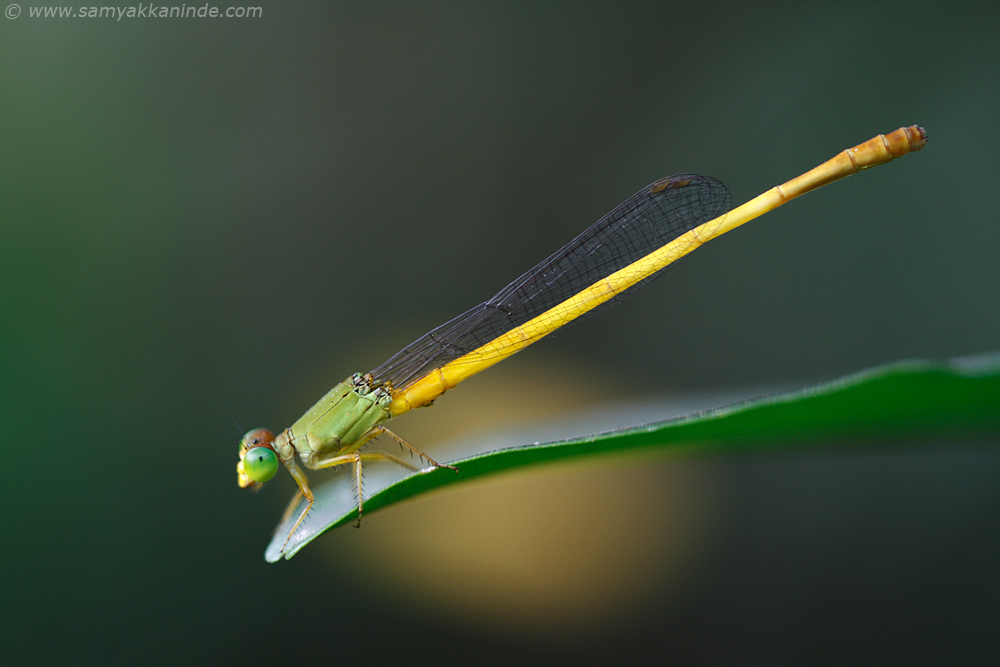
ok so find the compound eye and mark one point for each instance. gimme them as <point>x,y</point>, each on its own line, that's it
<point>258,437</point>
<point>260,464</point>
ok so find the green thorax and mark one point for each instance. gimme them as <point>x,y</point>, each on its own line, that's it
<point>339,420</point>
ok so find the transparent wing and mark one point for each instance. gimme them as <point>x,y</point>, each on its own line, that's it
<point>646,221</point>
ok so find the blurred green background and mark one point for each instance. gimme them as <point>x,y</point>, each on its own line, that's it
<point>213,221</point>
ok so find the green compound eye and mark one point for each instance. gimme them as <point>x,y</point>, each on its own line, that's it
<point>260,464</point>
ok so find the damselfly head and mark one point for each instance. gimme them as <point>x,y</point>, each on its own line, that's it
<point>258,460</point>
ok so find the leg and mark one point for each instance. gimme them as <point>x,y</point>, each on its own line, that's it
<point>357,458</point>
<point>291,506</point>
<point>334,460</point>
<point>379,430</point>
<point>303,492</point>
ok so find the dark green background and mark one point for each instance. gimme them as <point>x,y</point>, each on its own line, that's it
<point>209,220</point>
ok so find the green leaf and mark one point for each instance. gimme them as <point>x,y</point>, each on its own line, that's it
<point>896,403</point>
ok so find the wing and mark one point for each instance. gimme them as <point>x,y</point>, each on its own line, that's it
<point>653,217</point>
